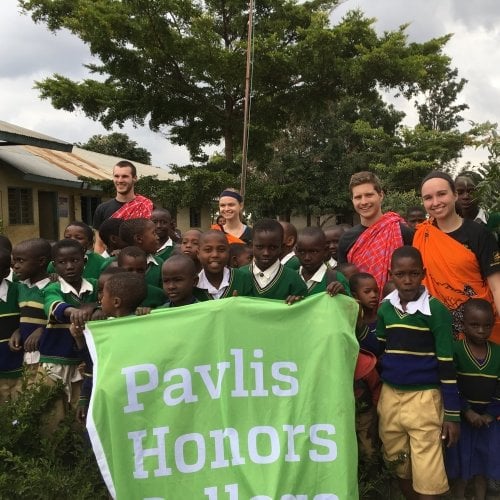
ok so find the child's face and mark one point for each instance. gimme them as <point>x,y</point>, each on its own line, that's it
<point>213,253</point>
<point>242,259</point>
<point>266,248</point>
<point>407,275</point>
<point>78,234</point>
<point>190,243</point>
<point>477,326</point>
<point>332,240</point>
<point>69,263</point>
<point>25,265</point>
<point>178,282</point>
<point>149,239</point>
<point>162,223</point>
<point>367,293</point>
<point>133,264</point>
<point>310,251</point>
<point>107,302</point>
<point>415,217</point>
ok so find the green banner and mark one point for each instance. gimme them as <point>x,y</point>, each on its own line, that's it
<point>232,399</point>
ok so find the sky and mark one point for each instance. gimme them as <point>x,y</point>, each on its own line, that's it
<point>29,52</point>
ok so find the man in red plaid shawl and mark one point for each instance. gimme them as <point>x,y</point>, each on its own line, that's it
<point>126,204</point>
<point>369,245</point>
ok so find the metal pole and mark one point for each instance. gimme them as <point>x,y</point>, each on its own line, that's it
<point>246,115</point>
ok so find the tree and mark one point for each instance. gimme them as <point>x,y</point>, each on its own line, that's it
<point>117,144</point>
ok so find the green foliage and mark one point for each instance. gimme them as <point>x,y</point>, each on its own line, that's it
<point>117,144</point>
<point>43,468</point>
<point>401,201</point>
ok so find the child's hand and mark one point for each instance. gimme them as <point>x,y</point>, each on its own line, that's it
<point>487,419</point>
<point>33,341</point>
<point>81,414</point>
<point>235,293</point>
<point>142,311</point>
<point>473,418</point>
<point>79,316</point>
<point>98,315</point>
<point>53,277</point>
<point>450,433</point>
<point>334,288</point>
<point>291,299</point>
<point>76,331</point>
<point>15,342</point>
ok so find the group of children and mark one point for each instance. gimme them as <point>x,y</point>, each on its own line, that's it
<point>432,402</point>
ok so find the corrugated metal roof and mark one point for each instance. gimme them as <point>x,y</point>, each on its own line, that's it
<point>13,134</point>
<point>64,169</point>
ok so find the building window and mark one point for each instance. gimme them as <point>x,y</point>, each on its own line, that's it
<point>194,217</point>
<point>20,206</point>
<point>88,206</point>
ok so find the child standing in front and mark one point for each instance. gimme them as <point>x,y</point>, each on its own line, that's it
<point>270,279</point>
<point>478,368</point>
<point>216,280</point>
<point>179,281</point>
<point>418,378</point>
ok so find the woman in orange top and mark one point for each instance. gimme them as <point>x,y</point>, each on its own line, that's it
<point>461,257</point>
<point>231,208</point>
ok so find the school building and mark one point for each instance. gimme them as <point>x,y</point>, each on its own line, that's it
<point>41,190</point>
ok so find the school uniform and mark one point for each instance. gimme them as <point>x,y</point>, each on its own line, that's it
<point>10,362</point>
<point>233,280</point>
<point>276,282</point>
<point>165,250</point>
<point>153,271</point>
<point>479,383</point>
<point>320,280</point>
<point>31,301</point>
<point>291,260</point>
<point>155,297</point>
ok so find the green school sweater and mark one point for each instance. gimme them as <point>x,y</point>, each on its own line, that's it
<point>153,273</point>
<point>238,281</point>
<point>286,282</point>
<point>155,297</point>
<point>321,286</point>
<point>293,263</point>
<point>165,253</point>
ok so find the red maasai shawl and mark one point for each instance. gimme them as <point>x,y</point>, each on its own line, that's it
<point>372,251</point>
<point>138,208</point>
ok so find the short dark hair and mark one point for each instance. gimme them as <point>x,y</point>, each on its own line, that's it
<point>182,259</point>
<point>89,233</point>
<point>437,174</point>
<point>478,305</point>
<point>5,243</point>
<point>407,251</point>
<point>162,210</point>
<point>110,270</point>
<point>126,163</point>
<point>66,243</point>
<point>132,251</point>
<point>313,232</point>
<point>37,247</point>
<point>214,232</point>
<point>4,257</point>
<point>110,227</point>
<point>131,228</point>
<point>415,209</point>
<point>355,280</point>
<point>131,288</point>
<point>268,225</point>
<point>237,249</point>
<point>365,177</point>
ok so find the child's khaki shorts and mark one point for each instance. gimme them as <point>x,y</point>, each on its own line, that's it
<point>410,425</point>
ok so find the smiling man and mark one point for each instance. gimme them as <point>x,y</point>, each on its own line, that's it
<point>370,244</point>
<point>126,204</point>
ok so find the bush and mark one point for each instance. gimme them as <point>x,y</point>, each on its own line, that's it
<point>43,468</point>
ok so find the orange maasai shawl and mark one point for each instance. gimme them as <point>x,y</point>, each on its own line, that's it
<point>452,273</point>
<point>230,238</point>
<point>138,208</point>
<point>372,251</point>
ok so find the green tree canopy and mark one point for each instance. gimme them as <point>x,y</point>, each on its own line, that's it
<point>117,144</point>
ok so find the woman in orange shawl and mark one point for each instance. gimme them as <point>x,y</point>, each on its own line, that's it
<point>461,257</point>
<point>231,208</point>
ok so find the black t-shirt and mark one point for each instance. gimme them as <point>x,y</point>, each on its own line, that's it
<point>105,211</point>
<point>481,243</point>
<point>350,237</point>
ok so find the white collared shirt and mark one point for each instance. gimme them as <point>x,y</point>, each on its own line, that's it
<point>265,277</point>
<point>316,277</point>
<point>421,304</point>
<point>105,254</point>
<point>332,263</point>
<point>204,284</point>
<point>151,260</point>
<point>167,243</point>
<point>4,290</point>
<point>10,276</point>
<point>67,288</point>
<point>481,216</point>
<point>287,257</point>
<point>39,284</point>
